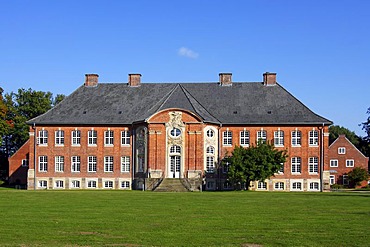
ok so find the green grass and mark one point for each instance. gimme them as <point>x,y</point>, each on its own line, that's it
<point>135,218</point>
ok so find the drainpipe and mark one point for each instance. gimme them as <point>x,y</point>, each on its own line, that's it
<point>133,154</point>
<point>321,157</point>
<point>219,155</point>
<point>34,155</point>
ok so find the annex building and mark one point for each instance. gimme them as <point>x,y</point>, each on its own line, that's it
<point>135,135</point>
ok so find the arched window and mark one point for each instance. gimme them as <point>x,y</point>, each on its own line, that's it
<point>210,159</point>
<point>210,150</point>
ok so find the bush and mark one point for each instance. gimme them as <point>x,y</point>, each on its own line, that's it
<point>336,186</point>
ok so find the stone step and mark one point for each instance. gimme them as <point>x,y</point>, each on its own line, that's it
<point>171,185</point>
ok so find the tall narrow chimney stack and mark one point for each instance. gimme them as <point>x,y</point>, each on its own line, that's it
<point>225,79</point>
<point>91,80</point>
<point>269,79</point>
<point>134,80</point>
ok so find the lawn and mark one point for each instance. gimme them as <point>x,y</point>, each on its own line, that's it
<point>135,218</point>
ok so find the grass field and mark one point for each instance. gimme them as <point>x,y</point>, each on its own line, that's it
<point>135,218</point>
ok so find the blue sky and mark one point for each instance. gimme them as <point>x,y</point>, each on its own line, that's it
<point>320,50</point>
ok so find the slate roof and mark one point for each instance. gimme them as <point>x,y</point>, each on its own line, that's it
<point>246,103</point>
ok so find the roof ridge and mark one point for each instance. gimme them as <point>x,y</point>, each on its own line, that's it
<point>166,98</point>
<point>186,92</point>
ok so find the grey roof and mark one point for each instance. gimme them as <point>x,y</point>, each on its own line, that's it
<point>244,103</point>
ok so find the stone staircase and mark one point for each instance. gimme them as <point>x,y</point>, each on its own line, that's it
<point>171,185</point>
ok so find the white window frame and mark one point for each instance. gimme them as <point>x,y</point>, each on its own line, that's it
<point>244,138</point>
<point>92,184</point>
<point>261,185</point>
<point>227,138</point>
<point>350,163</point>
<point>59,138</point>
<point>125,138</point>
<point>42,140</point>
<point>91,164</point>
<point>42,184</point>
<point>282,168</point>
<point>43,163</point>
<point>210,133</point>
<point>75,164</point>
<point>108,138</point>
<point>296,138</point>
<point>313,138</point>
<point>341,150</point>
<point>125,164</point>
<point>76,137</point>
<point>108,164</point>
<point>297,186</point>
<point>59,163</point>
<point>108,184</point>
<point>313,165</point>
<point>262,136</point>
<point>210,159</point>
<point>59,184</point>
<point>332,180</point>
<point>25,163</point>
<point>75,184</point>
<point>279,186</point>
<point>314,186</point>
<point>296,163</point>
<point>345,180</point>
<point>333,163</point>
<point>125,184</point>
<point>92,137</point>
<point>279,138</point>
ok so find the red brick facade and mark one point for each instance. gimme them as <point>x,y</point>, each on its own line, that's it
<point>343,158</point>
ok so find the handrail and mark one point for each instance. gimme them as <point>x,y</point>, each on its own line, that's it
<point>185,182</point>
<point>157,182</point>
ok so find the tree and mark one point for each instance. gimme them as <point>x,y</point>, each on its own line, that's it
<point>335,131</point>
<point>256,163</point>
<point>366,126</point>
<point>357,175</point>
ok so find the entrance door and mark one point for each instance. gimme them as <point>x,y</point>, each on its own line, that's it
<point>175,166</point>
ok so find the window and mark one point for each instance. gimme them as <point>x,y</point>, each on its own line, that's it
<point>296,165</point>
<point>25,162</point>
<point>91,184</point>
<point>210,133</point>
<point>125,164</point>
<point>108,137</point>
<point>175,132</point>
<point>75,164</point>
<point>227,138</point>
<point>43,137</point>
<point>59,137</point>
<point>296,138</point>
<point>279,138</point>
<point>108,184</point>
<point>333,163</point>
<point>342,150</point>
<point>262,136</point>
<point>108,164</point>
<point>91,164</point>
<point>279,186</point>
<point>244,138</point>
<point>314,186</point>
<point>332,179</point>
<point>297,186</point>
<point>125,137</point>
<point>313,138</point>
<point>59,184</point>
<point>59,163</point>
<point>281,168</point>
<point>75,184</point>
<point>175,149</point>
<point>210,159</point>
<point>313,165</point>
<point>262,185</point>
<point>350,163</point>
<point>225,167</point>
<point>76,138</point>
<point>345,180</point>
<point>210,185</point>
<point>92,136</point>
<point>43,163</point>
<point>43,184</point>
<point>125,184</point>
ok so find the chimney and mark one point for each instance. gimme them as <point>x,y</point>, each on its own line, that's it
<point>134,80</point>
<point>91,80</point>
<point>225,79</point>
<point>269,79</point>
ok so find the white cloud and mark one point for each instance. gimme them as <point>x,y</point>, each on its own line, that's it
<point>186,52</point>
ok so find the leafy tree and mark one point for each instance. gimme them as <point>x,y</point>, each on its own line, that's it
<point>3,112</point>
<point>58,99</point>
<point>366,126</point>
<point>357,175</point>
<point>335,131</point>
<point>256,163</point>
